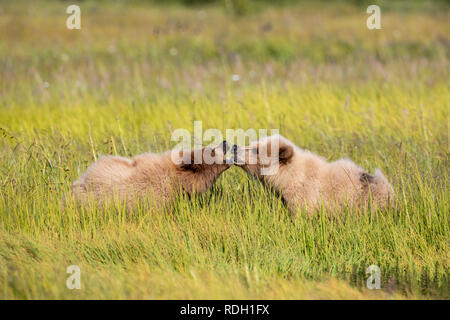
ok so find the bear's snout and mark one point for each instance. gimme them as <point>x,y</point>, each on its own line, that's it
<point>236,152</point>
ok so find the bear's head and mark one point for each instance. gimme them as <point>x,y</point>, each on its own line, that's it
<point>265,158</point>
<point>196,170</point>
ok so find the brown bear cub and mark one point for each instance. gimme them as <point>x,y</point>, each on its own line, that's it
<point>154,180</point>
<point>307,181</point>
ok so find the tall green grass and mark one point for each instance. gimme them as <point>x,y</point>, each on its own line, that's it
<point>118,87</point>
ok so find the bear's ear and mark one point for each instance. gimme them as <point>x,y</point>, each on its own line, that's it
<point>285,153</point>
<point>366,178</point>
<point>188,162</point>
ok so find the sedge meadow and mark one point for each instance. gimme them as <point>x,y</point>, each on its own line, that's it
<point>136,71</point>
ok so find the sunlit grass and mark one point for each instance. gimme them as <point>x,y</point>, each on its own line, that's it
<point>379,98</point>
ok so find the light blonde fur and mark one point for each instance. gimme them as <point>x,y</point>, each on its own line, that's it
<point>154,180</point>
<point>307,181</point>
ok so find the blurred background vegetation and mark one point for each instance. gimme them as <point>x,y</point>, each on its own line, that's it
<point>137,70</point>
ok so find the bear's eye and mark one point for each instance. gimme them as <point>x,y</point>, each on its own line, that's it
<point>255,150</point>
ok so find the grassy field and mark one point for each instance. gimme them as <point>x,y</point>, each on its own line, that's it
<point>134,73</point>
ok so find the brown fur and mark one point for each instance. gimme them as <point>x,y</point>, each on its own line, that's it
<point>307,181</point>
<point>152,179</point>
